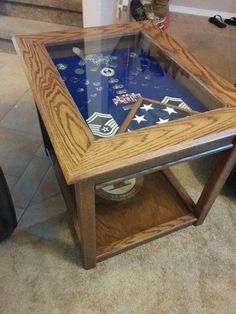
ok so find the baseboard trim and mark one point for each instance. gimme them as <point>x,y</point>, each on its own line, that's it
<point>202,12</point>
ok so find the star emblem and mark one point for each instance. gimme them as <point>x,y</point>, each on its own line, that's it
<point>162,121</point>
<point>169,110</point>
<point>146,107</point>
<point>105,129</point>
<point>139,118</point>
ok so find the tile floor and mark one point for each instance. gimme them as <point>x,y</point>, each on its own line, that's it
<point>27,169</point>
<point>193,271</point>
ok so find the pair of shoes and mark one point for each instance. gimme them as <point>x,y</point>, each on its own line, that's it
<point>139,14</point>
<point>218,21</point>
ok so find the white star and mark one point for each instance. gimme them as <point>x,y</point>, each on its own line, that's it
<point>162,121</point>
<point>170,110</point>
<point>139,118</point>
<point>146,107</point>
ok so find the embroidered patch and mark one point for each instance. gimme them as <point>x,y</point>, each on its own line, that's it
<point>102,125</point>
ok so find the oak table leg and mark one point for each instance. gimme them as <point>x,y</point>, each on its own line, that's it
<point>215,182</point>
<point>85,203</point>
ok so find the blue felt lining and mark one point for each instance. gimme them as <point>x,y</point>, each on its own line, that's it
<point>143,74</point>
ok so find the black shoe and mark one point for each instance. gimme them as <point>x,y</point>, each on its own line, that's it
<point>137,10</point>
<point>231,21</point>
<point>217,21</point>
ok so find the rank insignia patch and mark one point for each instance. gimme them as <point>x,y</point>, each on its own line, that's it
<point>102,125</point>
<point>176,102</point>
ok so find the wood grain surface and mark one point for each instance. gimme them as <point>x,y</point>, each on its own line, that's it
<point>81,157</point>
<point>157,208</point>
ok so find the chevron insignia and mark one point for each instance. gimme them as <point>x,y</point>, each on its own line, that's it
<point>176,102</point>
<point>102,125</point>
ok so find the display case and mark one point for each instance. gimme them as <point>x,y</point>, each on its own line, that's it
<point>118,106</point>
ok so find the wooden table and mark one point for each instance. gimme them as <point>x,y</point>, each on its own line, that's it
<point>85,162</point>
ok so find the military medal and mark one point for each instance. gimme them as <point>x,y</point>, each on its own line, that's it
<point>126,99</point>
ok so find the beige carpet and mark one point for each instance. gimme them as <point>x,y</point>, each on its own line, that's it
<point>191,271</point>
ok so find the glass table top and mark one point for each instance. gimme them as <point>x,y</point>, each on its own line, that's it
<point>107,76</point>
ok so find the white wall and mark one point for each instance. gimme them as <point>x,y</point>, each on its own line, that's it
<point>225,8</point>
<point>218,5</point>
<point>102,12</point>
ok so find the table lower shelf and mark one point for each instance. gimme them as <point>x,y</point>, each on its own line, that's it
<point>159,208</point>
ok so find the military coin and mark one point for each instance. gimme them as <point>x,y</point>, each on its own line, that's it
<point>135,72</point>
<point>61,66</point>
<point>81,63</point>
<point>86,82</point>
<point>80,90</point>
<point>130,78</point>
<point>117,86</point>
<point>133,82</point>
<point>113,80</point>
<point>147,77</point>
<point>74,79</point>
<point>133,55</point>
<point>112,65</point>
<point>79,71</point>
<point>122,91</point>
<point>108,72</point>
<point>96,84</point>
